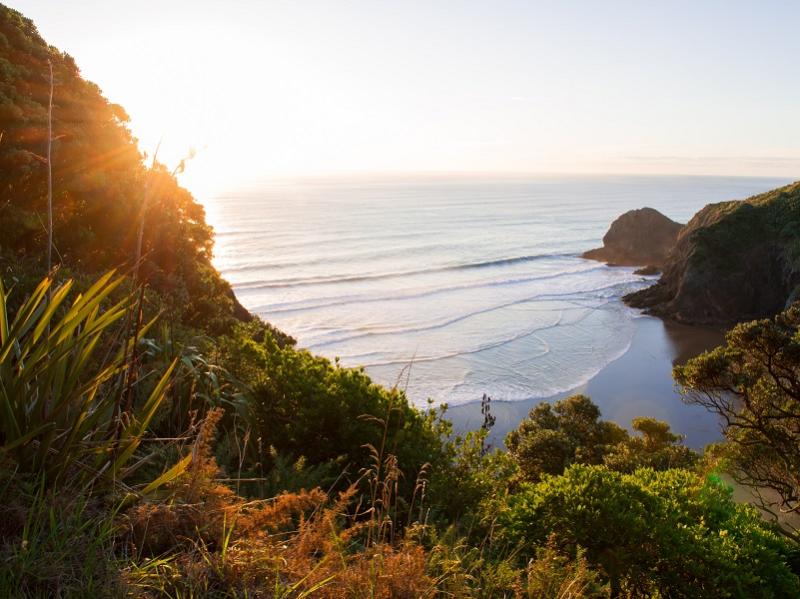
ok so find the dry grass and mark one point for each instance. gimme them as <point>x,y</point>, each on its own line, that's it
<point>206,541</point>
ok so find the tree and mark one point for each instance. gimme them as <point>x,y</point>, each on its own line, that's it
<point>657,447</point>
<point>90,199</point>
<point>555,436</point>
<point>570,432</point>
<point>753,383</point>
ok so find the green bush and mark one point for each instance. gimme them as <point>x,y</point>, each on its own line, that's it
<point>656,447</point>
<point>670,534</point>
<point>553,437</point>
<point>303,405</point>
<point>64,386</point>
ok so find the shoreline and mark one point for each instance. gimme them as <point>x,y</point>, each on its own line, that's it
<point>637,383</point>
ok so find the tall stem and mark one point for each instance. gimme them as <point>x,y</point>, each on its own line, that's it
<point>50,174</point>
<point>145,201</point>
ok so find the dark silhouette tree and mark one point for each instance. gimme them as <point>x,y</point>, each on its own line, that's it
<point>753,383</point>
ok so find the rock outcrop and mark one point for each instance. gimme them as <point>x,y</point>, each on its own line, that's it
<point>648,271</point>
<point>733,261</point>
<point>641,237</point>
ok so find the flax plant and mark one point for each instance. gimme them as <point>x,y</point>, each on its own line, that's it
<point>59,383</point>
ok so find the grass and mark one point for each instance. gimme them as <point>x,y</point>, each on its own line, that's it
<point>55,544</point>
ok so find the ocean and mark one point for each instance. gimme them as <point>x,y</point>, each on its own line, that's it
<point>450,287</point>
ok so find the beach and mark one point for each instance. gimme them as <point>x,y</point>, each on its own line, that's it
<point>638,383</point>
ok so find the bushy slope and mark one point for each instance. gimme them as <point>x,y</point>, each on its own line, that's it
<point>733,261</point>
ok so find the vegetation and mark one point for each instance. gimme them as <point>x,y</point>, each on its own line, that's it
<point>753,383</point>
<point>666,534</point>
<point>64,407</point>
<point>553,437</point>
<point>156,442</point>
<point>98,181</point>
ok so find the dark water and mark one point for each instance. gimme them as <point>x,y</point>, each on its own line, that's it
<point>637,384</point>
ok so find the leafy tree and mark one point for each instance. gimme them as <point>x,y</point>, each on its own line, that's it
<point>570,432</point>
<point>657,447</point>
<point>555,436</point>
<point>666,534</point>
<point>753,383</point>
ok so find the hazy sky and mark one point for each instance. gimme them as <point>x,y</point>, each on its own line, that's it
<point>287,88</point>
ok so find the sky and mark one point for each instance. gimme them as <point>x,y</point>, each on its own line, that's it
<point>299,88</point>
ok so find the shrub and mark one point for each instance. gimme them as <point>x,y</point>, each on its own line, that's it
<point>570,432</point>
<point>650,532</point>
<point>304,405</point>
<point>657,447</point>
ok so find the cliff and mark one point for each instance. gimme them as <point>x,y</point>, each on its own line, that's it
<point>641,237</point>
<point>733,261</point>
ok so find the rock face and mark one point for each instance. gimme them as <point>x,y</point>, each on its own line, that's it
<point>733,261</point>
<point>641,237</point>
<point>648,270</point>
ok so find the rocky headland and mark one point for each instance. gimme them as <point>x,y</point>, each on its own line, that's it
<point>642,237</point>
<point>733,261</point>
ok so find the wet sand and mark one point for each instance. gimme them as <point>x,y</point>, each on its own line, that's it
<point>639,383</point>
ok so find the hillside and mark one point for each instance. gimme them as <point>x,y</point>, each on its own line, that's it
<point>733,261</point>
<point>99,182</point>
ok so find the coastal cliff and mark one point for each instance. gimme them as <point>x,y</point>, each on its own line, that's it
<point>733,261</point>
<point>642,237</point>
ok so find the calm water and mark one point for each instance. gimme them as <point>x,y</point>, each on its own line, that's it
<point>450,288</point>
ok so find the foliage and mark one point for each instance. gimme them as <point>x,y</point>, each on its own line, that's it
<point>553,575</point>
<point>98,182</point>
<point>62,387</point>
<point>753,383</point>
<point>657,447</point>
<point>571,432</point>
<point>471,478</point>
<point>54,544</point>
<point>207,541</point>
<point>667,533</point>
<point>304,405</point>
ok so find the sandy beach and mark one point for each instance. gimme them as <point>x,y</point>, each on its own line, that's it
<point>639,383</point>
